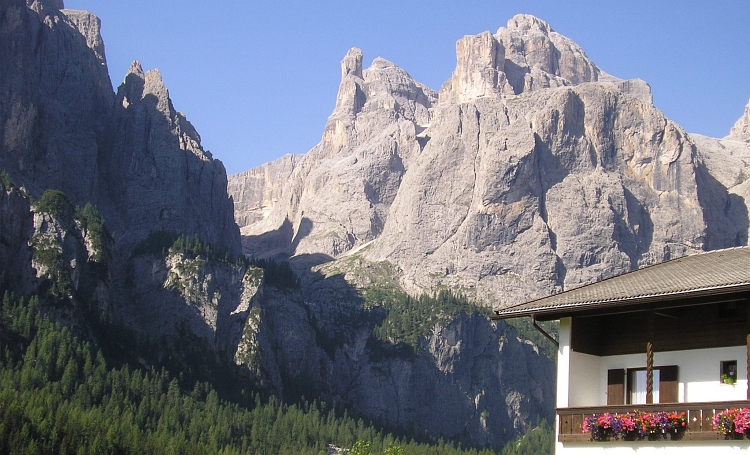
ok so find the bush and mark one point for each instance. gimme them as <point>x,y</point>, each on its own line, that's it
<point>161,243</point>
<point>5,180</point>
<point>93,227</point>
<point>57,204</point>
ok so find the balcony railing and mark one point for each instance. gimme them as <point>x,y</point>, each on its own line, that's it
<point>700,418</point>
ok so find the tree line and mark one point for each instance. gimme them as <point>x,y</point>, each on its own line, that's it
<point>58,395</point>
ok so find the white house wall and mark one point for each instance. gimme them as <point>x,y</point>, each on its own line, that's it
<point>586,388</point>
<point>698,373</point>
<point>563,362</point>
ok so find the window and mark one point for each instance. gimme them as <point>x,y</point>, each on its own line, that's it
<point>728,373</point>
<point>637,385</point>
<point>631,387</point>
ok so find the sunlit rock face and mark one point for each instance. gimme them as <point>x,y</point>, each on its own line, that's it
<point>741,130</point>
<point>532,172</point>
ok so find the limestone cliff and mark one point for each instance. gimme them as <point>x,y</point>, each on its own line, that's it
<point>529,172</point>
<point>534,172</point>
<point>131,164</point>
<point>727,171</point>
<point>55,98</point>
<point>183,298</point>
<point>542,192</point>
<point>372,136</point>
<point>472,381</point>
<point>131,154</point>
<point>159,176</point>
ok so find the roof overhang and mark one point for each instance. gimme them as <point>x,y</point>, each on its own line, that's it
<point>700,279</point>
<point>630,305</point>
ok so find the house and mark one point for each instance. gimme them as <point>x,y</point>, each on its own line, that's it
<point>672,337</point>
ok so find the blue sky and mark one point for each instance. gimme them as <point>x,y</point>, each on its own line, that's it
<point>258,79</point>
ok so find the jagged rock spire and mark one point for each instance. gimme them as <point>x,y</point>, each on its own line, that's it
<point>352,63</point>
<point>741,129</point>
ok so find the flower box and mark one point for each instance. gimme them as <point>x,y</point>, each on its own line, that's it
<point>733,423</point>
<point>635,426</point>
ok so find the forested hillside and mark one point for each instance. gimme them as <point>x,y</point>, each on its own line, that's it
<point>59,395</point>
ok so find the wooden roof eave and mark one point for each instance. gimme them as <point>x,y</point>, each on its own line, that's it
<point>627,305</point>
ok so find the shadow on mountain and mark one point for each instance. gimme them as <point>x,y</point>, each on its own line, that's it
<point>64,92</point>
<point>724,213</point>
<point>279,244</point>
<point>158,181</point>
<point>634,234</point>
<point>270,245</point>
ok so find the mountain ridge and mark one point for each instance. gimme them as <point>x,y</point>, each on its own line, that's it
<point>526,127</point>
<point>547,174</point>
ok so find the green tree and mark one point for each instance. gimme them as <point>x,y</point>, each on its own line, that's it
<point>394,449</point>
<point>360,448</point>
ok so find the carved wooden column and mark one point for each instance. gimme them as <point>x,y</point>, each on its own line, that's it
<point>650,360</point>
<point>649,373</point>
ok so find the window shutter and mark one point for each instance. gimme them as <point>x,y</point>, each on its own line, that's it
<point>668,384</point>
<point>616,386</point>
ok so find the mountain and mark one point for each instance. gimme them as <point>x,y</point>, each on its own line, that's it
<point>531,171</point>
<point>65,129</point>
<point>128,158</point>
<point>121,225</point>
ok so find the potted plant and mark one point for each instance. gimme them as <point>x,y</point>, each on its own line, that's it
<point>733,423</point>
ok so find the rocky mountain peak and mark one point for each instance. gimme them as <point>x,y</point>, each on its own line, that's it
<point>159,158</point>
<point>383,89</point>
<point>376,130</point>
<point>149,87</point>
<point>467,192</point>
<point>154,85</point>
<point>525,56</point>
<point>741,129</point>
<point>538,57</point>
<point>527,23</point>
<point>352,63</point>
<point>139,85</point>
<point>135,69</point>
<point>132,85</point>
<point>350,98</point>
<point>45,6</point>
<point>89,26</point>
<point>479,70</point>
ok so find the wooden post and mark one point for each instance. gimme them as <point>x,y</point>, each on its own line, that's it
<point>649,373</point>
<point>650,360</point>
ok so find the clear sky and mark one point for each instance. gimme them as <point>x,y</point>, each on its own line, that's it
<point>258,79</point>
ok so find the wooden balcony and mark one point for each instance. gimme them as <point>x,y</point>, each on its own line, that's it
<point>700,418</point>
